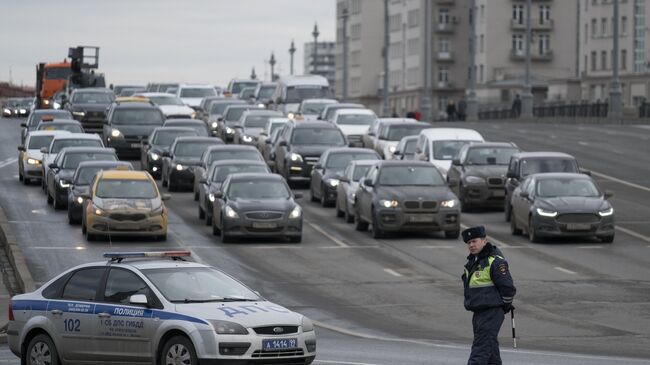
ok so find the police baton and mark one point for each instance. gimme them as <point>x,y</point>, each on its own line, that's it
<point>512,322</point>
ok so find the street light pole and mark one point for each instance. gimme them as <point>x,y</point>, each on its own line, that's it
<point>292,50</point>
<point>315,33</point>
<point>527,95</point>
<point>344,17</point>
<point>272,63</point>
<point>426,97</point>
<point>472,101</point>
<point>386,108</point>
<point>253,74</point>
<point>615,93</point>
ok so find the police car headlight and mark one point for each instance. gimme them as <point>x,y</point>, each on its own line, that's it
<point>228,328</point>
<point>229,130</point>
<point>295,157</point>
<point>307,325</point>
<point>295,213</point>
<point>389,203</point>
<point>64,184</point>
<point>214,125</point>
<point>606,212</point>
<point>154,156</point>
<point>211,197</point>
<point>448,203</point>
<point>333,182</point>
<point>115,133</point>
<point>247,139</point>
<point>474,180</point>
<point>179,167</point>
<point>32,161</point>
<point>230,213</point>
<point>546,213</point>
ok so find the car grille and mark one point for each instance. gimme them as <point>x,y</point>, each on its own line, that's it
<point>495,181</point>
<point>277,353</point>
<point>127,217</point>
<point>413,205</point>
<point>578,218</point>
<point>354,138</point>
<point>95,115</point>
<point>269,330</point>
<point>265,230</point>
<point>134,139</point>
<point>264,215</point>
<point>311,160</point>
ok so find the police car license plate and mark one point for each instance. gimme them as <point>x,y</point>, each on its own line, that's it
<point>420,218</point>
<point>578,227</point>
<point>280,344</point>
<point>135,145</point>
<point>264,225</point>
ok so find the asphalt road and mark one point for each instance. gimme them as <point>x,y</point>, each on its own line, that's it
<point>399,300</point>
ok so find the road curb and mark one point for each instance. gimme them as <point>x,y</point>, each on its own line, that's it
<point>15,254</point>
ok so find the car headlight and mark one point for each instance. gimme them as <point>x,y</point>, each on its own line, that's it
<point>179,167</point>
<point>230,213</point>
<point>212,197</point>
<point>296,212</point>
<point>448,203</point>
<point>79,114</point>
<point>474,180</point>
<point>389,203</point>
<point>80,200</point>
<point>6,111</point>
<point>247,139</point>
<point>295,157</point>
<point>214,125</point>
<point>307,324</point>
<point>154,156</point>
<point>261,105</point>
<point>228,328</point>
<point>291,115</point>
<point>64,184</point>
<point>23,111</point>
<point>546,213</point>
<point>46,102</point>
<point>392,149</point>
<point>193,115</point>
<point>33,161</point>
<point>99,211</point>
<point>333,182</point>
<point>56,105</point>
<point>229,130</point>
<point>606,212</point>
<point>157,211</point>
<point>115,133</point>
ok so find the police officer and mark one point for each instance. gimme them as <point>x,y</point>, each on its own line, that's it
<point>489,291</point>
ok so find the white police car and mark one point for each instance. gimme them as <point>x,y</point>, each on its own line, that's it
<point>130,310</point>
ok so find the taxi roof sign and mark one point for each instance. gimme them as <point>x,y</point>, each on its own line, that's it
<point>119,256</point>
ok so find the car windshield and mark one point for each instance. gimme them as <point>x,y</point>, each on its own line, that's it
<point>538,165</point>
<point>446,150</point>
<point>247,93</point>
<point>219,108</point>
<point>191,149</point>
<point>331,110</point>
<point>234,114</point>
<point>397,132</point>
<point>256,121</point>
<point>93,98</point>
<point>237,87</point>
<point>197,92</point>
<point>266,92</point>
<point>409,148</point>
<point>313,107</point>
<point>137,117</point>
<point>296,94</point>
<point>551,188</point>
<point>320,136</point>
<point>258,189</point>
<point>355,119</point>
<point>489,156</point>
<point>200,128</point>
<point>359,172</point>
<point>166,138</point>
<point>410,175</point>
<point>58,145</point>
<point>198,284</point>
<point>51,114</point>
<point>221,173</point>
<point>70,127</point>
<point>38,142</point>
<point>165,100</point>
<point>339,161</point>
<point>126,189</point>
<point>72,160</point>
<point>220,155</point>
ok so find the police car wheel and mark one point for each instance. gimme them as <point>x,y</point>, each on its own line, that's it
<point>179,350</point>
<point>41,351</point>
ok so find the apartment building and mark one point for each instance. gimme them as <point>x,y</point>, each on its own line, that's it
<point>325,60</point>
<point>596,53</point>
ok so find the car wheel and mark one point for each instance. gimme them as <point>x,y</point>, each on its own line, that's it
<point>170,187</point>
<point>225,238</point>
<point>452,234</point>
<point>532,232</point>
<point>56,204</point>
<point>376,231</point>
<point>163,181</point>
<point>513,225</point>
<point>90,237</point>
<point>20,175</point>
<point>179,350</point>
<point>162,237</point>
<point>215,230</point>
<point>312,195</point>
<point>607,239</point>
<point>323,198</point>
<point>201,212</point>
<point>50,200</point>
<point>295,239</point>
<point>41,350</point>
<point>196,195</point>
<point>71,219</point>
<point>349,218</point>
<point>339,212</point>
<point>507,208</point>
<point>359,223</point>
<point>26,181</point>
<point>208,218</point>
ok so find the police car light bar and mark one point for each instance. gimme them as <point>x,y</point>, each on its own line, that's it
<point>124,255</point>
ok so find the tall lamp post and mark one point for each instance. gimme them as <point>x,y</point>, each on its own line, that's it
<point>472,101</point>
<point>292,50</point>
<point>253,74</point>
<point>527,95</point>
<point>272,63</point>
<point>315,33</point>
<point>426,97</point>
<point>386,45</point>
<point>344,89</point>
<point>615,112</point>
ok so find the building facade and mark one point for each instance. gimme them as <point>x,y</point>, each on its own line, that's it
<point>325,62</point>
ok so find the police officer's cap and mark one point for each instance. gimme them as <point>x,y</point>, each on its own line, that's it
<point>473,232</point>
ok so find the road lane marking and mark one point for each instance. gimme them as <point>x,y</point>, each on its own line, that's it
<point>322,231</point>
<point>393,272</point>
<point>612,178</point>
<point>8,162</point>
<point>633,234</point>
<point>430,246</point>
<point>590,247</point>
<point>344,362</point>
<point>565,270</point>
<point>490,238</point>
<point>583,143</point>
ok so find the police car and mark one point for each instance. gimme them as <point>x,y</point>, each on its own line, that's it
<point>134,310</point>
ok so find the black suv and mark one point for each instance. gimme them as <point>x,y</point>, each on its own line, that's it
<point>89,105</point>
<point>300,146</point>
<point>528,163</point>
<point>129,124</point>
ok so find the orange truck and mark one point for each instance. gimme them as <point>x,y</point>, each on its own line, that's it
<point>50,79</point>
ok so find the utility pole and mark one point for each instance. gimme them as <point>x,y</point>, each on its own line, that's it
<point>272,63</point>
<point>315,33</point>
<point>344,17</point>
<point>253,74</point>
<point>615,93</point>
<point>292,50</point>
<point>472,101</point>
<point>527,95</point>
<point>425,103</point>
<point>386,108</point>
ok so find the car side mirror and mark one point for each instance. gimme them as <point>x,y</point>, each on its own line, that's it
<point>44,150</point>
<point>455,161</point>
<point>138,299</point>
<point>279,101</point>
<point>24,125</point>
<point>371,133</point>
<point>85,196</point>
<point>203,181</point>
<point>282,143</point>
<point>368,182</point>
<point>524,194</point>
<point>220,119</point>
<point>318,166</point>
<point>165,197</point>
<point>586,172</point>
<point>52,166</point>
<point>166,154</point>
<point>218,194</point>
<point>511,175</point>
<point>608,194</point>
<point>145,142</point>
<point>297,195</point>
<point>344,179</point>
<point>268,141</point>
<point>452,182</point>
<point>397,153</point>
<point>21,148</point>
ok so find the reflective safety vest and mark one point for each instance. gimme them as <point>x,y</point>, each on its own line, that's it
<point>480,290</point>
<point>482,277</point>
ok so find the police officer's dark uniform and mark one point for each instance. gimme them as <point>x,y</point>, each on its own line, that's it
<point>489,291</point>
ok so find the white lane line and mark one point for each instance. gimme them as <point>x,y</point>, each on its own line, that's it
<point>393,272</point>
<point>334,239</point>
<point>612,178</point>
<point>490,238</point>
<point>633,234</point>
<point>8,162</point>
<point>583,143</point>
<point>590,247</point>
<point>77,248</point>
<point>344,362</point>
<point>565,270</point>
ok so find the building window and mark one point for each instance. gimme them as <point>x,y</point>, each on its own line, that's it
<point>481,73</point>
<point>481,43</point>
<point>518,13</point>
<point>443,45</point>
<point>586,32</point>
<point>355,58</point>
<point>355,31</point>
<point>355,7</point>
<point>412,76</point>
<point>623,62</point>
<point>544,14</point>
<point>482,14</point>
<point>594,28</point>
<point>593,60</point>
<point>624,25</point>
<point>395,78</point>
<point>395,50</point>
<point>355,85</point>
<point>395,22</point>
<point>413,46</point>
<point>518,43</point>
<point>443,75</point>
<point>443,16</point>
<point>544,44</point>
<point>603,60</point>
<point>413,18</point>
<point>603,27</point>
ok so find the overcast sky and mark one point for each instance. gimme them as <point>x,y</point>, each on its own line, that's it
<point>206,41</point>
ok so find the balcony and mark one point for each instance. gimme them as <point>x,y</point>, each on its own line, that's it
<point>445,56</point>
<point>536,24</point>
<point>446,2</point>
<point>520,56</point>
<point>446,27</point>
<point>444,86</point>
<point>543,57</point>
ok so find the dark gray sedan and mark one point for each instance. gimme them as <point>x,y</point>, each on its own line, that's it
<point>561,205</point>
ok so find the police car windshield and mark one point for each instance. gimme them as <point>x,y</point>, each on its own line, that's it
<point>198,285</point>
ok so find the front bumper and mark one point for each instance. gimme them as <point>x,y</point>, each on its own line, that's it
<point>75,210</point>
<point>182,177</point>
<point>61,193</point>
<point>484,195</point>
<point>125,145</point>
<point>32,171</point>
<point>154,167</point>
<point>574,225</point>
<point>329,192</point>
<point>244,227</point>
<point>397,219</point>
<point>148,226</point>
<point>299,171</point>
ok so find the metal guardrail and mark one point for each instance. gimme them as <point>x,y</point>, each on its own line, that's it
<point>551,110</point>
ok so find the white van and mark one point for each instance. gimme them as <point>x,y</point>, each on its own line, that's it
<point>292,90</point>
<point>440,145</point>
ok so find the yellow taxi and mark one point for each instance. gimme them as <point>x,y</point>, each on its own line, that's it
<point>124,203</point>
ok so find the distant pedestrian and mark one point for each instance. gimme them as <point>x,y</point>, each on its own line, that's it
<point>418,115</point>
<point>489,291</point>
<point>410,115</point>
<point>516,106</point>
<point>451,111</point>
<point>462,110</point>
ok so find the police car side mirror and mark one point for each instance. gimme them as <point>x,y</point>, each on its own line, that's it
<point>138,299</point>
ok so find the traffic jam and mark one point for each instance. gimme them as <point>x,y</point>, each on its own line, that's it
<point>248,154</point>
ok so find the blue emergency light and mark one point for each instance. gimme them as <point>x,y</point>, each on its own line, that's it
<point>124,255</point>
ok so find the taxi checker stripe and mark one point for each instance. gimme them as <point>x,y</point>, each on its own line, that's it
<point>91,308</point>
